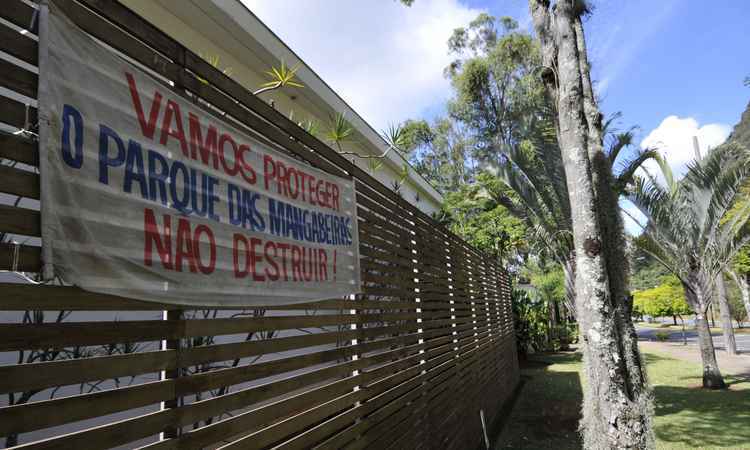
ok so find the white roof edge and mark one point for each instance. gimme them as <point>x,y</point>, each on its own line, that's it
<point>237,12</point>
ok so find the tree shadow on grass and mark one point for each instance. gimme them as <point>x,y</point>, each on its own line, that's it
<point>702,418</point>
<point>548,409</point>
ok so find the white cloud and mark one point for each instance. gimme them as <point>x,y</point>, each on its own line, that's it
<point>384,59</point>
<point>674,140</point>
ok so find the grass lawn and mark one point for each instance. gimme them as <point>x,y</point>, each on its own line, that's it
<point>687,417</point>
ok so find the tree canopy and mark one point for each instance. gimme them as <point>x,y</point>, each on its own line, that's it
<point>666,299</point>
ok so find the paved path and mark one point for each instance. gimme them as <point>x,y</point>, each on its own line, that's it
<point>649,334</point>
<point>738,365</point>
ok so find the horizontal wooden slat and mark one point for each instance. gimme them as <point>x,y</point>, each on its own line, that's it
<point>256,418</point>
<point>19,14</point>
<point>17,114</point>
<point>18,45</point>
<point>56,298</point>
<point>19,221</point>
<point>19,182</point>
<point>43,414</point>
<point>58,335</point>
<point>37,376</point>
<point>17,148</point>
<point>18,79</point>
<point>109,435</point>
<point>22,258</point>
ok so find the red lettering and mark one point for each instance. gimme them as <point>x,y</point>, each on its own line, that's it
<point>269,170</point>
<point>208,149</point>
<point>271,261</point>
<point>184,246</point>
<point>322,195</point>
<point>147,128</point>
<point>254,259</point>
<point>323,264</point>
<point>173,110</point>
<point>284,248</point>
<point>335,197</point>
<point>248,173</point>
<point>282,179</point>
<point>204,229</point>
<point>303,184</point>
<point>296,261</point>
<point>235,168</point>
<point>292,174</point>
<point>236,240</point>
<point>152,235</point>
<point>311,187</point>
<point>308,261</point>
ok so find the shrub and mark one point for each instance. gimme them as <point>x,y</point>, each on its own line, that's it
<point>662,336</point>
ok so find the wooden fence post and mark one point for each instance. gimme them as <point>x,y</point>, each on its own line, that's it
<point>172,432</point>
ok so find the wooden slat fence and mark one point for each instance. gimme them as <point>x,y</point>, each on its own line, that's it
<point>408,364</point>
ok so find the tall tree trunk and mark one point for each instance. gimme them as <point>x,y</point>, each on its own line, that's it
<point>613,229</point>
<point>730,344</point>
<point>616,411</point>
<point>744,285</point>
<point>697,298</point>
<point>712,378</point>
<point>711,315</point>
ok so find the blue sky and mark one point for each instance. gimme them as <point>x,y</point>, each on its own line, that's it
<point>675,68</point>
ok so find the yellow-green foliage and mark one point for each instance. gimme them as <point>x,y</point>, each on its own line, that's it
<point>666,299</point>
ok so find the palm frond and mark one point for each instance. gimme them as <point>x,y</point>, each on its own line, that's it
<point>690,221</point>
<point>279,77</point>
<point>394,136</point>
<point>626,173</point>
<point>608,125</point>
<point>339,130</point>
<point>540,215</point>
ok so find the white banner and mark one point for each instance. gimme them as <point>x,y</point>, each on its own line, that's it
<point>147,195</point>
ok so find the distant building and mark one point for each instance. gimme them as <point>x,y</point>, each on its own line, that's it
<point>227,30</point>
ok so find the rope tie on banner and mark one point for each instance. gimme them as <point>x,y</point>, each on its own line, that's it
<point>34,17</point>
<point>15,256</point>
<point>27,128</point>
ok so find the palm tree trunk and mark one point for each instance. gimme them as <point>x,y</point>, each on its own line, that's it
<point>730,344</point>
<point>711,315</point>
<point>697,300</point>
<point>615,415</point>
<point>744,285</point>
<point>712,378</point>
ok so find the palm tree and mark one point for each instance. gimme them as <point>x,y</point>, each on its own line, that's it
<point>537,178</point>
<point>690,233</point>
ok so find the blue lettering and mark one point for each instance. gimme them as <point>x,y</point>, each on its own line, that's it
<point>180,204</point>
<point>134,169</point>
<point>233,195</point>
<point>275,214</point>
<point>105,133</point>
<point>251,213</point>
<point>212,198</point>
<point>194,193</point>
<point>157,179</point>
<point>73,160</point>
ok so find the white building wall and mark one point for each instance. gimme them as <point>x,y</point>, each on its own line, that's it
<point>246,48</point>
